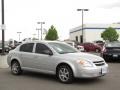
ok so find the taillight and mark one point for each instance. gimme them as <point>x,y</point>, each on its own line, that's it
<point>104,50</point>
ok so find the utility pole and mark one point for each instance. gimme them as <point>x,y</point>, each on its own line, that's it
<point>41,23</point>
<point>3,27</point>
<point>82,36</point>
<point>19,35</point>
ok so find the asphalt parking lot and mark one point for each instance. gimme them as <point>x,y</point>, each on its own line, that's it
<point>37,81</point>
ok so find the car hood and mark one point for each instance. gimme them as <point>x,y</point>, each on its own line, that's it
<point>81,55</point>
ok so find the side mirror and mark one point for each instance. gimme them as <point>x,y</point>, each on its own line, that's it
<point>48,52</point>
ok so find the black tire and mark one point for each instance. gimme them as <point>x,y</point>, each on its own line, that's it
<point>15,68</point>
<point>69,74</point>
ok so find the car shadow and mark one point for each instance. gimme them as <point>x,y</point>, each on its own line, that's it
<point>40,76</point>
<point>52,78</point>
<point>86,81</point>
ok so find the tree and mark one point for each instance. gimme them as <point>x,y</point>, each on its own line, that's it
<point>110,34</point>
<point>52,34</point>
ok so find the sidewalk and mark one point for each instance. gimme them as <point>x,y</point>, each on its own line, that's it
<point>3,61</point>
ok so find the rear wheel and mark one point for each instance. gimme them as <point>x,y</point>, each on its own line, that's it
<point>65,74</point>
<point>15,68</point>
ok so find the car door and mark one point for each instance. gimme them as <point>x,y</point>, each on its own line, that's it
<point>43,58</point>
<point>26,55</point>
<point>91,47</point>
<point>86,46</point>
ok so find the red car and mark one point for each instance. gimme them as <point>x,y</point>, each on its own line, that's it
<point>100,43</point>
<point>88,47</point>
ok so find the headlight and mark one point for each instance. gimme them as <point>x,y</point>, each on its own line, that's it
<point>85,63</point>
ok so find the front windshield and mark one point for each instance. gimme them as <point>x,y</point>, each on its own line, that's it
<point>62,48</point>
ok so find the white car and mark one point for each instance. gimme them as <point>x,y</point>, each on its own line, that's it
<point>80,48</point>
<point>57,58</point>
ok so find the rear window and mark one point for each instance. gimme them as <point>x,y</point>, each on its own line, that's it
<point>113,45</point>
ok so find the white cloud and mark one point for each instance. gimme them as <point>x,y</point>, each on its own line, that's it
<point>111,4</point>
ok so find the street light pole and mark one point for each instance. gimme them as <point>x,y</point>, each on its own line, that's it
<point>19,35</point>
<point>3,39</point>
<point>82,37</point>
<point>41,27</point>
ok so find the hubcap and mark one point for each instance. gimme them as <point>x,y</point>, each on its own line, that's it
<point>15,68</point>
<point>64,74</point>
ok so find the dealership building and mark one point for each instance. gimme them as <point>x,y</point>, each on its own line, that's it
<point>91,32</point>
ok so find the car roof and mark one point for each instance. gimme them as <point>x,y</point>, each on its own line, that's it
<point>42,41</point>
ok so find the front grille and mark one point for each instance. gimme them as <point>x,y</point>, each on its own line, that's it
<point>99,63</point>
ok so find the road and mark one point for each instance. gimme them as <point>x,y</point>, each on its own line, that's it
<point>37,81</point>
<point>3,61</point>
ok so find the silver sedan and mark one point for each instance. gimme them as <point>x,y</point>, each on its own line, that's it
<point>57,58</point>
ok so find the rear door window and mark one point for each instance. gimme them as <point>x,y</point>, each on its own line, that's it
<point>28,47</point>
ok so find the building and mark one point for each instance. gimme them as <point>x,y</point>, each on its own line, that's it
<point>91,32</point>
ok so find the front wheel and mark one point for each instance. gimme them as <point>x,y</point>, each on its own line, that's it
<point>15,68</point>
<point>65,74</point>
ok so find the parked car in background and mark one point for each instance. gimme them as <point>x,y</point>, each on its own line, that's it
<point>13,43</point>
<point>88,47</point>
<point>111,51</point>
<point>80,48</point>
<point>77,46</point>
<point>71,43</point>
<point>57,58</point>
<point>7,48</point>
<point>100,43</point>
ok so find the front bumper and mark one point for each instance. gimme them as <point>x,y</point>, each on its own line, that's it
<point>92,72</point>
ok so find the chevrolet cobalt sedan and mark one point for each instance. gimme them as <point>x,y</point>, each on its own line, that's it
<point>57,58</point>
